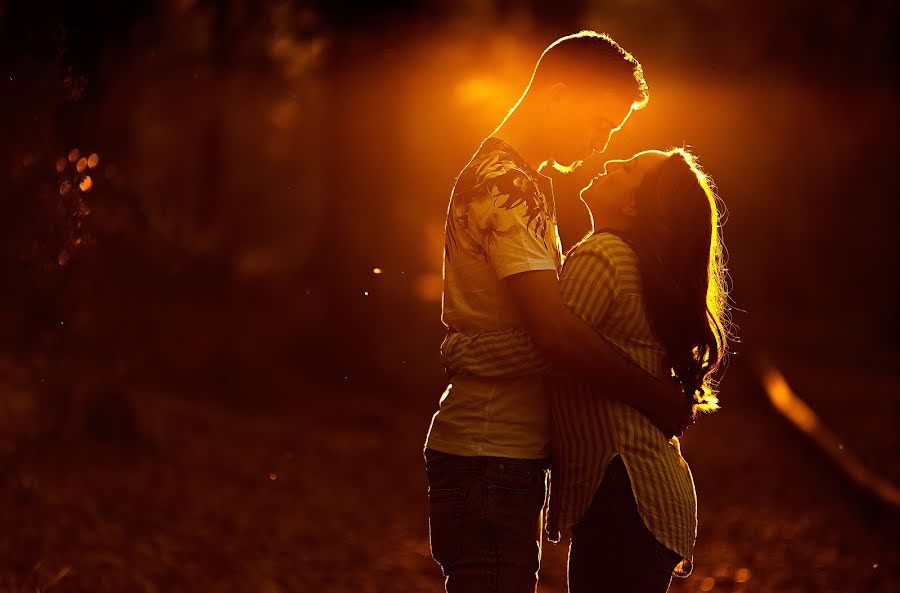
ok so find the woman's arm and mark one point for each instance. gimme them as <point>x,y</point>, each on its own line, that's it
<point>560,321</point>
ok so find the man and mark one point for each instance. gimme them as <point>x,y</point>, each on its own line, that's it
<point>488,446</point>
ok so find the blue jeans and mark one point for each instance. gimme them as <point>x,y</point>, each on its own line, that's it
<point>485,521</point>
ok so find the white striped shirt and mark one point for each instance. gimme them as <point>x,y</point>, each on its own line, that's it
<point>601,283</point>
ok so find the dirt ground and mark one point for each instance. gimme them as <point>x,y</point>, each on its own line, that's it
<point>331,497</point>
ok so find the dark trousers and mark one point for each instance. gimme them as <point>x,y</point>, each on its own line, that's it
<point>485,521</point>
<point>612,549</point>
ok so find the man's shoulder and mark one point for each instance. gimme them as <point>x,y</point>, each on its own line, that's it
<point>490,165</point>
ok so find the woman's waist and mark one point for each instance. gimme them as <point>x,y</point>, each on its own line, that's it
<point>608,426</point>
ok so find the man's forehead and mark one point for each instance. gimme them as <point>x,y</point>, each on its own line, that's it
<point>649,156</point>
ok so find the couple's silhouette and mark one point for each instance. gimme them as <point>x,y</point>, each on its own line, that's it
<point>596,360</point>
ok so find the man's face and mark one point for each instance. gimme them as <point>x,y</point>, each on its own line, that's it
<point>578,125</point>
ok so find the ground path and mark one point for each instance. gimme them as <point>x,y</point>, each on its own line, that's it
<point>330,497</point>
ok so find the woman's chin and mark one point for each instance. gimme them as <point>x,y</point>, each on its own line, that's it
<point>594,188</point>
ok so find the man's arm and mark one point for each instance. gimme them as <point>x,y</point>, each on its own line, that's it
<point>500,221</point>
<point>571,345</point>
<point>502,354</point>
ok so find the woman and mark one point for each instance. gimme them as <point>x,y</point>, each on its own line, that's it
<point>652,282</point>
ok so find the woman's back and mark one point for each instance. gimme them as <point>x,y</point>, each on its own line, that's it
<point>601,283</point>
<point>626,325</point>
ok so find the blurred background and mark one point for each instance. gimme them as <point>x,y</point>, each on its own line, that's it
<point>220,250</point>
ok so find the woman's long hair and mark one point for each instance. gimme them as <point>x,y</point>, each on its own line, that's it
<point>677,237</point>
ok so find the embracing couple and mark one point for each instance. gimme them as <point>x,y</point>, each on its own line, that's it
<point>595,362</point>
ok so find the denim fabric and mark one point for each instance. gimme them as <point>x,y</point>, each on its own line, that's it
<point>612,549</point>
<point>485,521</point>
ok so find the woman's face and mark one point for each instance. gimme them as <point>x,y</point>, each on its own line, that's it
<point>612,192</point>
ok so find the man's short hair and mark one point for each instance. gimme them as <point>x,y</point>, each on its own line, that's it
<point>592,61</point>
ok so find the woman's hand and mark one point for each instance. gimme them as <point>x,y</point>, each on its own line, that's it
<point>670,411</point>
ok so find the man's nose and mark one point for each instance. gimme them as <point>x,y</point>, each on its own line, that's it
<point>600,140</point>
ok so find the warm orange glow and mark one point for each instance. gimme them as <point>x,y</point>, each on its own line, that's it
<point>805,419</point>
<point>73,155</point>
<point>86,184</point>
<point>376,270</point>
<point>478,90</point>
<point>81,165</point>
<point>64,188</point>
<point>429,287</point>
<point>60,164</point>
<point>284,114</point>
<point>296,56</point>
<point>93,160</point>
<point>782,397</point>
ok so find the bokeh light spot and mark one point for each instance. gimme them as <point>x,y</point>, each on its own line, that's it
<point>86,184</point>
<point>742,575</point>
<point>707,584</point>
<point>93,160</point>
<point>64,188</point>
<point>73,155</point>
<point>61,164</point>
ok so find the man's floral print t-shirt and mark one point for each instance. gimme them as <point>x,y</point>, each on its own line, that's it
<point>501,221</point>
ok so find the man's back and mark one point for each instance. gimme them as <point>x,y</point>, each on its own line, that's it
<point>501,221</point>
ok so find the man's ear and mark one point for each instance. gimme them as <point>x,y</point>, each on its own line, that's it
<point>555,94</point>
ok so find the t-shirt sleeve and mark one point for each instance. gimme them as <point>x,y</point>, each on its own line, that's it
<point>508,221</point>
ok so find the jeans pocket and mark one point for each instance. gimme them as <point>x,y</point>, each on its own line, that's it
<point>515,519</point>
<point>515,475</point>
<point>517,493</point>
<point>445,524</point>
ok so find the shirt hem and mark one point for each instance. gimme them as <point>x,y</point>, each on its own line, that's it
<point>559,528</point>
<point>482,451</point>
<point>512,270</point>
